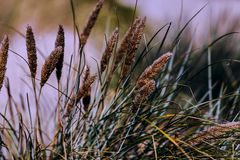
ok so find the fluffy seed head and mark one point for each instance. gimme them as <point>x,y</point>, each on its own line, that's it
<point>126,42</point>
<point>90,23</point>
<point>84,92</point>
<point>143,93</point>
<point>214,132</point>
<point>31,51</point>
<point>3,58</point>
<point>153,69</point>
<point>50,65</point>
<point>85,87</point>
<point>109,49</point>
<point>131,50</point>
<point>60,41</point>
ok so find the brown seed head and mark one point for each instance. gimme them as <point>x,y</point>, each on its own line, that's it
<point>126,42</point>
<point>90,23</point>
<point>143,93</point>
<point>60,42</point>
<point>109,49</point>
<point>31,51</point>
<point>3,58</point>
<point>153,69</point>
<point>214,132</point>
<point>50,65</point>
<point>84,92</point>
<point>86,86</point>
<point>131,50</point>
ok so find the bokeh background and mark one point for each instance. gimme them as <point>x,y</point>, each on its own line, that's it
<point>217,18</point>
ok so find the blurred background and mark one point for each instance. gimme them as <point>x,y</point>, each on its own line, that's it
<point>216,19</point>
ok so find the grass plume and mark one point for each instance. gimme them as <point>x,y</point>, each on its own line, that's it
<point>153,69</point>
<point>50,64</point>
<point>109,49</point>
<point>31,51</point>
<point>132,48</point>
<point>60,42</point>
<point>126,42</point>
<point>90,22</point>
<point>3,58</point>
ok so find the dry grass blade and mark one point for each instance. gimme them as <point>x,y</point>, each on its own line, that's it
<point>31,51</point>
<point>3,58</point>
<point>50,65</point>
<point>109,49</point>
<point>214,132</point>
<point>153,69</point>
<point>60,41</point>
<point>126,42</point>
<point>90,23</point>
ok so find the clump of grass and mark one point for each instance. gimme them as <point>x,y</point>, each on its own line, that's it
<point>123,111</point>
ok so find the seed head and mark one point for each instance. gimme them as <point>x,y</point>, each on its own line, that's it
<point>143,93</point>
<point>3,58</point>
<point>60,42</point>
<point>50,65</point>
<point>109,49</point>
<point>153,69</point>
<point>31,51</point>
<point>84,92</point>
<point>131,50</point>
<point>90,23</point>
<point>126,42</point>
<point>214,132</point>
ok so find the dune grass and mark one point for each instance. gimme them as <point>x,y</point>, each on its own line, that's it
<point>134,107</point>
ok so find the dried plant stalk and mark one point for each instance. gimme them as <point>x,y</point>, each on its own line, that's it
<point>153,69</point>
<point>50,65</point>
<point>3,58</point>
<point>126,42</point>
<point>214,132</point>
<point>60,41</point>
<point>143,93</point>
<point>131,50</point>
<point>31,51</point>
<point>90,23</point>
<point>109,49</point>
